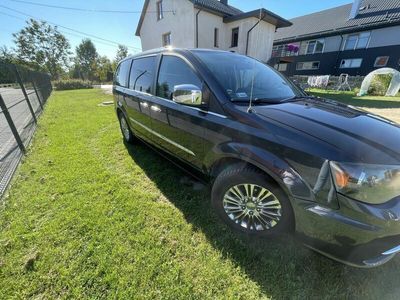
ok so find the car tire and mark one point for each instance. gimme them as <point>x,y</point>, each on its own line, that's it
<point>127,134</point>
<point>248,201</point>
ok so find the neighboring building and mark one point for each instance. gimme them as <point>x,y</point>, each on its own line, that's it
<point>354,39</point>
<point>208,24</point>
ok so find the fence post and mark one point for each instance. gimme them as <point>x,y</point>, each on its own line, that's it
<point>37,94</point>
<point>21,84</point>
<point>14,130</point>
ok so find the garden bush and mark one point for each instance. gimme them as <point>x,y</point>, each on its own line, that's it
<point>72,84</point>
<point>380,84</point>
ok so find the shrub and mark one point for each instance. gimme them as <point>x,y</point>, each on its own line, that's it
<point>71,84</point>
<point>380,85</point>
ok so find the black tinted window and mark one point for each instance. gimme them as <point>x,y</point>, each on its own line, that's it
<point>121,78</point>
<point>174,71</point>
<point>142,74</point>
<point>243,77</point>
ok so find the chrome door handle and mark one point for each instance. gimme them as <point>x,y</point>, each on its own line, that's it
<point>144,104</point>
<point>155,108</point>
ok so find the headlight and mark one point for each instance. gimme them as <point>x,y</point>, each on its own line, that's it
<point>374,184</point>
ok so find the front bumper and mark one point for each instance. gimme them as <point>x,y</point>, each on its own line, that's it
<point>356,234</point>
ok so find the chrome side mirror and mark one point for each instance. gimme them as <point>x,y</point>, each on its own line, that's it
<point>187,94</point>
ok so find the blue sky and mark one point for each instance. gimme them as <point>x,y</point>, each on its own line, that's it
<point>121,27</point>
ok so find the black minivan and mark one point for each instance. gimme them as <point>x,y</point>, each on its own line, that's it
<point>278,159</point>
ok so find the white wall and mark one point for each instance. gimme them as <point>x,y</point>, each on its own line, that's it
<point>260,41</point>
<point>207,23</point>
<point>181,25</point>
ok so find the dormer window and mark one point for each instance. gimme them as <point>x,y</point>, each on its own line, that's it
<point>160,13</point>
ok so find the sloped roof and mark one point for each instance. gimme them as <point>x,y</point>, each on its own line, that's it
<point>262,13</point>
<point>216,6</point>
<point>226,11</point>
<point>336,20</point>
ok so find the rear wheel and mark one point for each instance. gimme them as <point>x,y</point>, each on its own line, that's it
<point>125,130</point>
<point>247,201</point>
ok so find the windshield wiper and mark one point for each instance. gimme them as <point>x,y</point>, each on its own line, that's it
<point>296,98</point>
<point>256,100</point>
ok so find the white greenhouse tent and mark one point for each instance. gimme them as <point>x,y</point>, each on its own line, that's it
<point>394,86</point>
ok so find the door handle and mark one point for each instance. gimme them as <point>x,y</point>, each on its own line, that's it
<point>144,104</point>
<point>155,108</point>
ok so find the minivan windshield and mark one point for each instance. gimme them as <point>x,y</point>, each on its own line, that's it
<point>243,77</point>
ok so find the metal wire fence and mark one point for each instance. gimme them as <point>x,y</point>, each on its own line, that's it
<point>23,94</point>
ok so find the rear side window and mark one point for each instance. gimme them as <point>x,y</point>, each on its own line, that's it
<point>121,78</point>
<point>174,71</point>
<point>142,74</point>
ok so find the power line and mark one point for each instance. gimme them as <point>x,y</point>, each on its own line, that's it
<point>85,9</point>
<point>71,29</point>
<point>62,31</point>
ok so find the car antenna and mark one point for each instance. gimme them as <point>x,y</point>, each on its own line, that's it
<point>250,108</point>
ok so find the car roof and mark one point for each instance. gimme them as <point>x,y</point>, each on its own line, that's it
<point>172,50</point>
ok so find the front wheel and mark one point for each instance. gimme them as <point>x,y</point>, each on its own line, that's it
<point>247,201</point>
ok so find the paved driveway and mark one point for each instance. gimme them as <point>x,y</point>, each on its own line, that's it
<point>20,114</point>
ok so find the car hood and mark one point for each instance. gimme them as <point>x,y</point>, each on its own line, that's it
<point>363,136</point>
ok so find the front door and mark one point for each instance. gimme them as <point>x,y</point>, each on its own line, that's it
<point>178,127</point>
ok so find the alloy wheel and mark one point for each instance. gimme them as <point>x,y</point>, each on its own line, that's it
<point>125,128</point>
<point>253,207</point>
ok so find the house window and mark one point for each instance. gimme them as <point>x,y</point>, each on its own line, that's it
<point>166,39</point>
<point>216,37</point>
<point>307,65</point>
<point>357,41</point>
<point>160,13</point>
<point>381,61</point>
<point>316,46</point>
<point>351,63</point>
<point>281,67</point>
<point>235,37</point>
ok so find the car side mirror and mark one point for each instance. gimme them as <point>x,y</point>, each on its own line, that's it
<point>188,94</point>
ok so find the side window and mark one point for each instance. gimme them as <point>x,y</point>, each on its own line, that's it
<point>142,74</point>
<point>121,77</point>
<point>174,71</point>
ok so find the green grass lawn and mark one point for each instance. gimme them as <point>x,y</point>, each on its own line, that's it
<point>351,99</point>
<point>88,217</point>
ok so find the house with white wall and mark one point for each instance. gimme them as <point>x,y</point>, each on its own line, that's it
<point>208,24</point>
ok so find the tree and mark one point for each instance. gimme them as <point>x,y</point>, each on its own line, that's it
<point>104,70</point>
<point>42,47</point>
<point>6,74</point>
<point>7,55</point>
<point>122,52</point>
<point>85,60</point>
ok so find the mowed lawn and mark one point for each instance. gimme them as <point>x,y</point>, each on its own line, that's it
<point>88,217</point>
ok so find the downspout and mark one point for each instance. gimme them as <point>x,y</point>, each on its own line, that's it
<point>197,27</point>
<point>338,55</point>
<point>248,33</point>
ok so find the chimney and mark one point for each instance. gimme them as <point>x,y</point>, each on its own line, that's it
<point>355,9</point>
<point>224,2</point>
